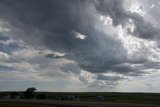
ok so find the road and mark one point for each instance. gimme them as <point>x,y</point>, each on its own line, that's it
<point>51,103</point>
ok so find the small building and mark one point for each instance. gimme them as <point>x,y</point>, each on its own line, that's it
<point>7,97</point>
<point>100,98</point>
<point>17,97</point>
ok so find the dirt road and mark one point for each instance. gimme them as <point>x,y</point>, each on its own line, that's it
<point>51,103</point>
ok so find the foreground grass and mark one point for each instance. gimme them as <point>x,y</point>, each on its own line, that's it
<point>18,105</point>
<point>110,97</point>
<point>151,98</point>
<point>136,98</point>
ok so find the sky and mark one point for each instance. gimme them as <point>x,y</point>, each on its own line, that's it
<point>80,45</point>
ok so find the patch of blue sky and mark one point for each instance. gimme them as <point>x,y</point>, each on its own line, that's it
<point>3,38</point>
<point>6,69</point>
<point>9,48</point>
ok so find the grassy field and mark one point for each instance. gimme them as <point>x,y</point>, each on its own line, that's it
<point>137,98</point>
<point>19,105</point>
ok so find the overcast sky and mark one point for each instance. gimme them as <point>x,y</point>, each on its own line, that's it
<point>80,45</point>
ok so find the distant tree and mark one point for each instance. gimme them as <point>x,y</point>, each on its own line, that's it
<point>41,96</point>
<point>30,93</point>
<point>13,95</point>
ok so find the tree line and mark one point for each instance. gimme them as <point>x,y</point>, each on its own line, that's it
<point>29,93</point>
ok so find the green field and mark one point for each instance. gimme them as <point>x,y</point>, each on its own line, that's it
<point>138,98</point>
<point>18,105</point>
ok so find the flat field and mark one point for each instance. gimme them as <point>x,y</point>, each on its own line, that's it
<point>52,103</point>
<point>20,105</point>
<point>137,98</point>
<point>110,97</point>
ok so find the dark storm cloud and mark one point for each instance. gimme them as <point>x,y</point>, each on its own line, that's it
<point>50,23</point>
<point>55,20</point>
<point>113,8</point>
<point>53,56</point>
<point>152,65</point>
<point>109,78</point>
<point>144,29</point>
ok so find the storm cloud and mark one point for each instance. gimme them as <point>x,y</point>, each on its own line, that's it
<point>55,21</point>
<point>79,30</point>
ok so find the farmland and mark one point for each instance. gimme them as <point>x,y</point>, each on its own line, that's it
<point>109,97</point>
<point>19,105</point>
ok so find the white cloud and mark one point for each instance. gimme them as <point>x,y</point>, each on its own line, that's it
<point>78,35</point>
<point>137,48</point>
<point>106,20</point>
<point>4,56</point>
<point>87,77</point>
<point>25,53</point>
<point>20,66</point>
<point>3,27</point>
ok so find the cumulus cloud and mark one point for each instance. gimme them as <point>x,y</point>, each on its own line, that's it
<point>3,56</point>
<point>78,35</point>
